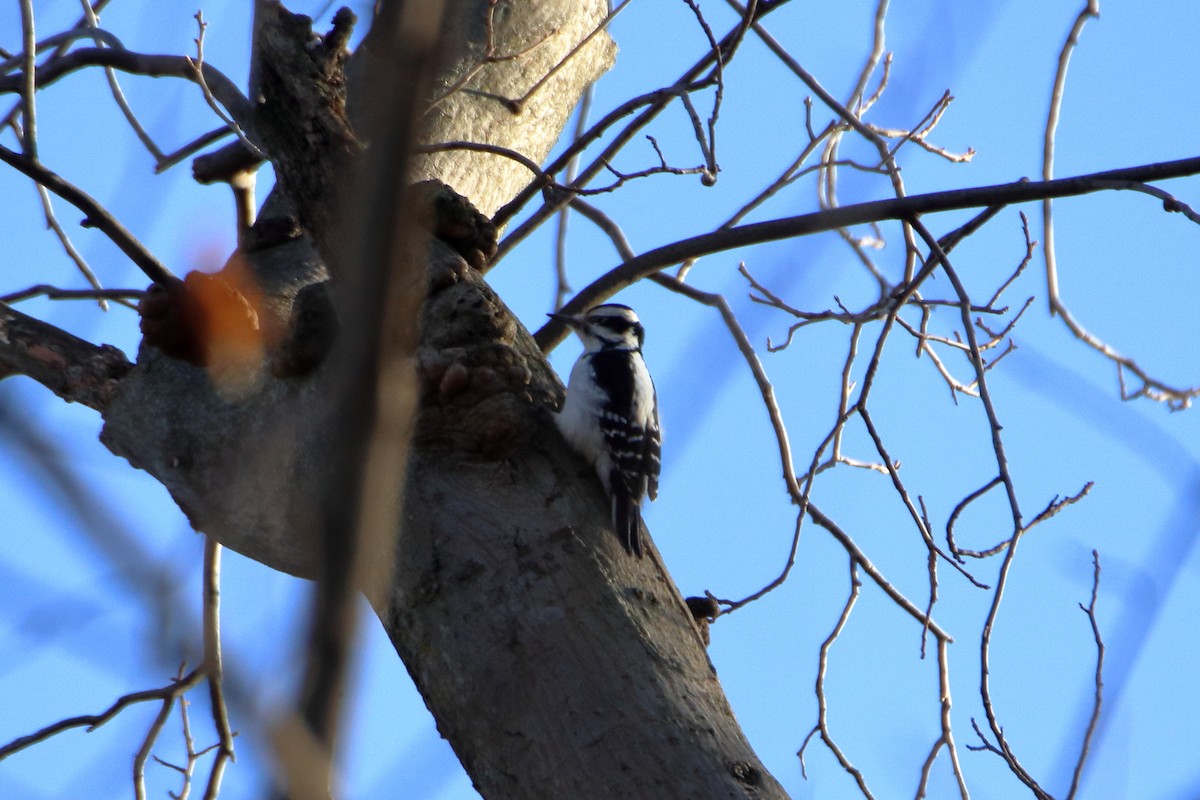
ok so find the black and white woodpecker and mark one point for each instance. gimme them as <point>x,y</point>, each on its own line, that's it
<point>610,415</point>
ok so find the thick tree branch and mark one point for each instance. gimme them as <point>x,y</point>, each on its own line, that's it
<point>75,370</point>
<point>512,605</point>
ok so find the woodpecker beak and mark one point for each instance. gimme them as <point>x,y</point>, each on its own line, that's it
<point>566,319</point>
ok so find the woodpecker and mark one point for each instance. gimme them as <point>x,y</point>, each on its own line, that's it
<point>610,416</point>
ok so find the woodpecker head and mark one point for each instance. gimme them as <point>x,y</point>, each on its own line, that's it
<point>608,327</point>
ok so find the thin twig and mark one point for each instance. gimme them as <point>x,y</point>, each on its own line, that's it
<point>1056,505</point>
<point>115,87</point>
<point>221,87</point>
<point>97,216</point>
<point>790,174</point>
<point>200,78</point>
<point>68,246</point>
<point>64,239</point>
<point>1098,699</point>
<point>562,286</point>
<point>214,668</point>
<point>122,296</point>
<point>822,669</point>
<point>1090,11</point>
<point>947,730</point>
<point>1170,202</point>
<point>894,208</point>
<point>961,507</point>
<point>652,102</point>
<point>1002,464</point>
<point>191,148</point>
<point>927,768</point>
<point>898,484</point>
<point>1030,246</point>
<point>62,40</point>
<point>708,145</point>
<point>60,47</point>
<point>856,553</point>
<point>143,753</point>
<point>29,83</point>
<point>93,721</point>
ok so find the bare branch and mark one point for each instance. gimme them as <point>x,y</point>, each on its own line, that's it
<point>93,24</point>
<point>918,519</point>
<point>1098,700</point>
<point>961,507</point>
<point>92,721</point>
<point>97,216</point>
<point>843,216</point>
<point>28,101</point>
<point>1055,505</point>
<point>202,141</point>
<point>59,48</point>
<point>143,753</point>
<point>75,370</point>
<point>223,89</point>
<point>1030,246</point>
<point>947,731</point>
<point>822,668</point>
<point>654,103</point>
<point>68,246</point>
<point>1090,11</point>
<point>214,668</point>
<point>708,145</point>
<point>122,296</point>
<point>83,30</point>
<point>562,288</point>
<point>200,78</point>
<point>927,767</point>
<point>1171,203</point>
<point>869,567</point>
<point>1177,398</point>
<point>760,377</point>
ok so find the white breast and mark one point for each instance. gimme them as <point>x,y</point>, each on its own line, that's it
<point>579,418</point>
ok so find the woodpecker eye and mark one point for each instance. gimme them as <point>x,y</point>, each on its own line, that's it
<point>616,324</point>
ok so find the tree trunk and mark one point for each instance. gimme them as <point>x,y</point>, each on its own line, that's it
<point>555,664</point>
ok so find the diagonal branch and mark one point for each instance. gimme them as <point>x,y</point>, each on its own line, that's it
<point>166,693</point>
<point>75,370</point>
<point>1098,697</point>
<point>654,103</point>
<point>900,208</point>
<point>97,216</point>
<point>223,89</point>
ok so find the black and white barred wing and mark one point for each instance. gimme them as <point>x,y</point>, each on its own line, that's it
<point>629,425</point>
<point>653,454</point>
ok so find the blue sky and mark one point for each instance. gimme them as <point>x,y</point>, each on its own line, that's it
<point>74,636</point>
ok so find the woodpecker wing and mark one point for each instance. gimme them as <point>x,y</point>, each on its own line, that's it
<point>633,447</point>
<point>653,453</point>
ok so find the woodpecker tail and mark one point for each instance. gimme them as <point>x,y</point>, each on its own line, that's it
<point>627,520</point>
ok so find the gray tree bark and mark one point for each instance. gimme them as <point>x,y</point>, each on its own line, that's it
<point>555,664</point>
